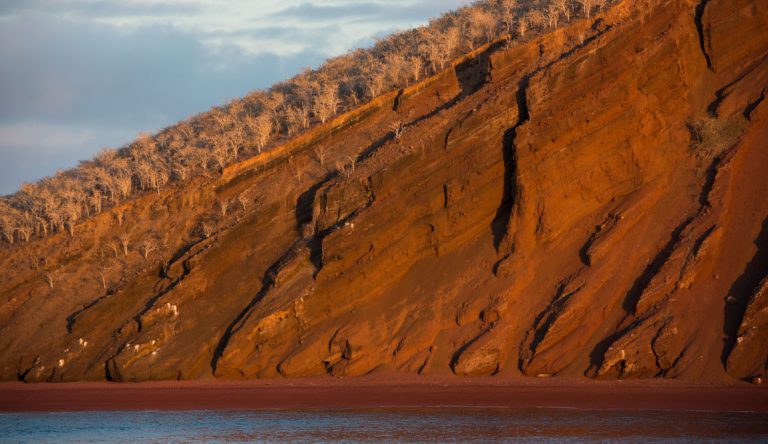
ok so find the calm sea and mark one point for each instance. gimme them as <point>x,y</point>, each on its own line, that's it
<point>400,425</point>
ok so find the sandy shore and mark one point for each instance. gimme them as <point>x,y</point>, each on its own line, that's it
<point>324,393</point>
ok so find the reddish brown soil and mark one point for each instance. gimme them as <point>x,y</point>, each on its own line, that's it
<point>323,393</point>
<point>550,209</point>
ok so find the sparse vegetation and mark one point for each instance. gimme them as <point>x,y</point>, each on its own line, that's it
<point>207,143</point>
<point>346,169</point>
<point>711,136</point>
<point>124,243</point>
<point>206,230</point>
<point>50,278</point>
<point>148,246</point>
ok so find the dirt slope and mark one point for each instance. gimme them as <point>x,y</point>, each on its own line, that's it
<point>593,202</point>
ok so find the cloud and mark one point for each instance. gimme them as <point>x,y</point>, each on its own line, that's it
<point>97,87</point>
<point>98,8</point>
<point>78,75</point>
<point>93,73</point>
<point>309,11</point>
<point>37,149</point>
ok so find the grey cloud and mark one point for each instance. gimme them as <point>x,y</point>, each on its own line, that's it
<point>83,75</point>
<point>70,72</point>
<point>95,8</point>
<point>80,85</point>
<point>315,12</point>
<point>367,11</point>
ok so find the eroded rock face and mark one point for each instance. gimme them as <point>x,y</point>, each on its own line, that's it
<point>591,202</point>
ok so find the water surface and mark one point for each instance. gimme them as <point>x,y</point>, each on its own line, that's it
<point>376,425</point>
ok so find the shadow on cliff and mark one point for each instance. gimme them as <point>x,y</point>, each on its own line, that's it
<point>742,290</point>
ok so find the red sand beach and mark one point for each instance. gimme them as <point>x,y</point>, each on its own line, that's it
<point>316,393</point>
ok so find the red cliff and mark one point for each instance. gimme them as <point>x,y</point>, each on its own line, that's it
<point>593,202</point>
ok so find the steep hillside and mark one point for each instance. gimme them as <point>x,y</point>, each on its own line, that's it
<point>592,202</point>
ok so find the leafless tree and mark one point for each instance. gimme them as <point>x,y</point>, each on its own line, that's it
<point>375,77</point>
<point>7,228</point>
<point>564,6</point>
<point>261,129</point>
<point>483,24</point>
<point>25,231</point>
<point>522,26</point>
<point>601,4</point>
<point>50,278</point>
<point>222,154</point>
<point>297,118</point>
<point>397,128</point>
<point>124,240</point>
<point>147,247</point>
<point>587,6</point>
<point>326,103</point>
<point>346,169</point>
<point>440,47</point>
<point>242,199</point>
<point>103,278</point>
<point>321,154</point>
<point>507,10</point>
<point>536,19</point>
<point>206,230</point>
<point>223,206</point>
<point>553,16</point>
<point>415,67</point>
<point>396,68</point>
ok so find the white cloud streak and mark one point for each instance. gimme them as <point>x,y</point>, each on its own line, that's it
<point>78,75</point>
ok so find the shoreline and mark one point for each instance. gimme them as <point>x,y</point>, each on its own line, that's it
<point>378,392</point>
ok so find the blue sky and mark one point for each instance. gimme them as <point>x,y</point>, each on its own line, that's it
<point>80,75</point>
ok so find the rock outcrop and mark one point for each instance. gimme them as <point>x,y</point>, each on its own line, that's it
<point>593,202</point>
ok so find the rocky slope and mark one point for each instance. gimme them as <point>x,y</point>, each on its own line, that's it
<point>593,202</point>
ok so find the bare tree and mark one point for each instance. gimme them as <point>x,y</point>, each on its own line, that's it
<point>507,14</point>
<point>397,128</point>
<point>206,230</point>
<point>147,247</point>
<point>223,206</point>
<point>587,6</point>
<point>297,118</point>
<point>72,214</point>
<point>326,103</point>
<point>536,19</point>
<point>103,277</point>
<point>482,23</point>
<point>553,15</point>
<point>96,201</point>
<point>260,128</point>
<point>50,278</point>
<point>321,154</point>
<point>375,77</point>
<point>242,199</point>
<point>601,4</point>
<point>522,26</point>
<point>415,67</point>
<point>564,6</point>
<point>396,68</point>
<point>440,47</point>
<point>124,242</point>
<point>222,154</point>
<point>272,103</point>
<point>346,169</point>
<point>7,228</point>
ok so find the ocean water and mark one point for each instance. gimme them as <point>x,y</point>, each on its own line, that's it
<point>384,425</point>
